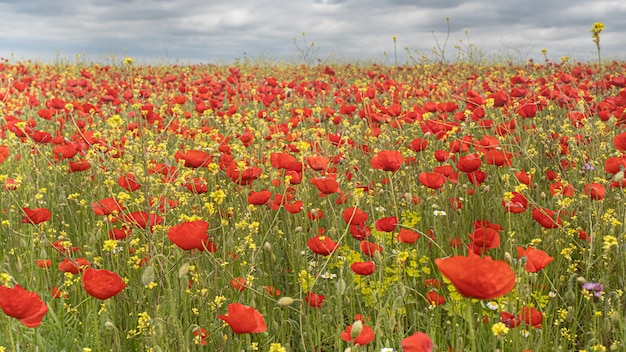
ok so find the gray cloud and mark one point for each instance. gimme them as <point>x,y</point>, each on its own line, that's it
<point>199,31</point>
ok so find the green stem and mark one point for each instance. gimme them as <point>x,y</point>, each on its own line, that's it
<point>470,321</point>
<point>11,338</point>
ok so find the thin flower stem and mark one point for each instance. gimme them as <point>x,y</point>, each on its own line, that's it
<point>470,319</point>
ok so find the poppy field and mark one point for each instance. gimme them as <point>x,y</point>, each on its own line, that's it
<point>447,207</point>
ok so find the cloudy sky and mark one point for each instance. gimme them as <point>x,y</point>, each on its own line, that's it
<point>191,31</point>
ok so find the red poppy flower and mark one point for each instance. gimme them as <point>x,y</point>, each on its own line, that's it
<point>102,284</point>
<point>408,236</point>
<point>369,248</point>
<point>498,158</point>
<point>322,245</point>
<point>387,224</point>
<point>434,298</point>
<point>510,320</point>
<point>197,185</point>
<point>128,182</point>
<point>547,218</point>
<point>56,292</point>
<point>120,233</point>
<point>525,178</point>
<point>191,235</point>
<point>314,299</point>
<point>260,197</point>
<point>194,158</point>
<point>434,180</point>
<point>558,188</point>
<point>527,110</point>
<point>614,164</point>
<point>317,163</point>
<point>106,206</point>
<point>295,177</point>
<point>326,185</point>
<point>363,268</point>
<point>43,263</point>
<point>245,177</point>
<point>442,155</point>
<point>65,151</point>
<point>74,267</point>
<point>418,342</point>
<point>200,336</point>
<point>4,153</point>
<point>476,277</point>
<point>285,161</point>
<point>536,259</point>
<point>238,283</point>
<point>25,306</point>
<point>36,216</point>
<point>595,191</point>
<point>619,142</point>
<point>243,319</point>
<point>531,316</point>
<point>478,224</point>
<point>294,207</point>
<point>10,184</point>
<point>366,336</point>
<point>517,204</point>
<point>476,177</point>
<point>272,291</point>
<point>315,214</point>
<point>387,160</point>
<point>142,219</point>
<point>552,175</point>
<point>354,216</point>
<point>418,144</point>
<point>482,239</point>
<point>360,232</point>
<point>469,163</point>
<point>80,165</point>
<point>434,283</point>
<point>163,204</point>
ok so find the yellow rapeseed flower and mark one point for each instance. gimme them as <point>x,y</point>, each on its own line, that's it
<point>499,329</point>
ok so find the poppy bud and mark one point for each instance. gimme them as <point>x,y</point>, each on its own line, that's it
<point>109,325</point>
<point>357,328</point>
<point>267,247</point>
<point>148,276</point>
<point>183,270</point>
<point>401,289</point>
<point>543,195</point>
<point>581,280</point>
<point>341,286</point>
<point>570,296</point>
<point>298,229</point>
<point>508,258</point>
<point>284,301</point>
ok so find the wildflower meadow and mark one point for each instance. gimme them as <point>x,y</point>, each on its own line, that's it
<point>331,207</point>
